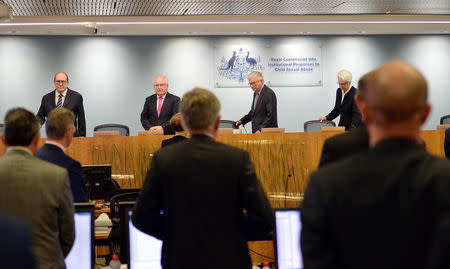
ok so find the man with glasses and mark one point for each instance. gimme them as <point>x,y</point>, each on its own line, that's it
<point>263,112</point>
<point>64,97</point>
<point>345,104</point>
<point>159,108</point>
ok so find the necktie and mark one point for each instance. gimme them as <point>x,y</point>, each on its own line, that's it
<point>256,100</point>
<point>159,105</point>
<point>59,103</point>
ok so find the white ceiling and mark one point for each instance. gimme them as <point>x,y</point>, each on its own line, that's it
<point>227,17</point>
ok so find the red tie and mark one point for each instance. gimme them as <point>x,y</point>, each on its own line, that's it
<point>159,105</point>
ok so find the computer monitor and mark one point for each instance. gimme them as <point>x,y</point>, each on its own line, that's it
<point>140,250</point>
<point>98,179</point>
<point>287,239</point>
<point>82,253</point>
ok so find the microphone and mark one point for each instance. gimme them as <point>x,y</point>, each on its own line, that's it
<point>285,188</point>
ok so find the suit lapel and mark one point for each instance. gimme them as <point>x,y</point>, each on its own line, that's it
<point>258,103</point>
<point>164,105</point>
<point>347,96</point>
<point>67,98</point>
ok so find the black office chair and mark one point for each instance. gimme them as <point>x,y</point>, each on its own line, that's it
<point>114,235</point>
<point>123,129</point>
<point>227,124</point>
<point>445,119</point>
<point>2,127</point>
<point>316,125</point>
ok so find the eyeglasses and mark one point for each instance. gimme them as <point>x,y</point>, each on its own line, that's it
<point>159,85</point>
<point>60,81</point>
<point>253,82</point>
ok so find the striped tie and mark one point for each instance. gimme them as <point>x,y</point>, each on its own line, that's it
<point>60,97</point>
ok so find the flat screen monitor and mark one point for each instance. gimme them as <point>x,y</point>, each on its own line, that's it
<point>98,179</point>
<point>287,239</point>
<point>82,253</point>
<point>142,250</point>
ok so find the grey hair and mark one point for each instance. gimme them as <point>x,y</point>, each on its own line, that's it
<point>256,75</point>
<point>345,75</point>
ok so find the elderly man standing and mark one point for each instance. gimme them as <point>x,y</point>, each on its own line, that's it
<point>35,191</point>
<point>60,130</point>
<point>62,96</point>
<point>345,106</point>
<point>263,113</point>
<point>380,208</point>
<point>159,108</point>
<point>203,188</point>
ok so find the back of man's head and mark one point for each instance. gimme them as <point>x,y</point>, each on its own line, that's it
<point>59,120</point>
<point>398,96</point>
<point>199,110</point>
<point>20,127</point>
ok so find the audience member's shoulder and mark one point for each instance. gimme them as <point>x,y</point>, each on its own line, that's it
<point>47,167</point>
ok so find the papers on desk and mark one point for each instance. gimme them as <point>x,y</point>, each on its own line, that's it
<point>101,230</point>
<point>103,220</point>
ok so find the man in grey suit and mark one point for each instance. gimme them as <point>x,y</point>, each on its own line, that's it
<point>36,191</point>
<point>263,113</point>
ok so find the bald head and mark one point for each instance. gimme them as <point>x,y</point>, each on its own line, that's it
<point>399,92</point>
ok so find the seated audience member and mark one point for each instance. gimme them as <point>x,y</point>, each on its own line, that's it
<point>60,130</point>
<point>175,123</point>
<point>447,143</point>
<point>380,208</point>
<point>203,188</point>
<point>35,191</point>
<point>15,251</point>
<point>340,146</point>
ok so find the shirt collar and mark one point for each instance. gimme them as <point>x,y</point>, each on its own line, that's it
<point>63,93</point>
<point>54,143</point>
<point>10,148</point>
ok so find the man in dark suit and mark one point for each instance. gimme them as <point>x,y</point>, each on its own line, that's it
<point>380,208</point>
<point>203,188</point>
<point>447,143</point>
<point>60,129</point>
<point>64,97</point>
<point>263,113</point>
<point>15,252</point>
<point>175,123</point>
<point>345,106</point>
<point>35,191</point>
<point>343,145</point>
<point>159,108</point>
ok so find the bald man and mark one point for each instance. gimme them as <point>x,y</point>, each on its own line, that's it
<point>380,208</point>
<point>62,96</point>
<point>159,108</point>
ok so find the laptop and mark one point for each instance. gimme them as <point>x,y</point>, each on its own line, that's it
<point>140,250</point>
<point>288,254</point>
<point>82,253</point>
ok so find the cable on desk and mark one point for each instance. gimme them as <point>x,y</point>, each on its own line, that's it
<point>261,255</point>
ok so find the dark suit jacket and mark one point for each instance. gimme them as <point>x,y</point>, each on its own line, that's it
<point>149,115</point>
<point>73,101</point>
<point>55,155</point>
<point>265,113</point>
<point>15,252</point>
<point>343,145</point>
<point>347,110</point>
<point>172,140</point>
<point>38,193</point>
<point>377,209</point>
<point>447,143</point>
<point>203,187</point>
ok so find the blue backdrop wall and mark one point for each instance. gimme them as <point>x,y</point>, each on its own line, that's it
<point>115,74</point>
